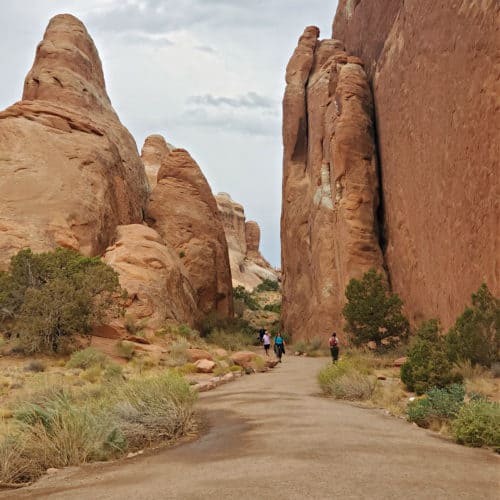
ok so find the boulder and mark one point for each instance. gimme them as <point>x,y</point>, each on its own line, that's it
<point>271,363</point>
<point>153,275</point>
<point>243,358</point>
<point>204,366</point>
<point>330,184</point>
<point>372,345</point>
<point>221,353</point>
<point>183,210</point>
<point>197,354</point>
<point>70,171</point>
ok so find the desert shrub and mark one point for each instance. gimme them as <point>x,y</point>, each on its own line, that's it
<point>390,395</point>
<point>186,331</point>
<point>187,368</point>
<point>268,286</point>
<point>236,341</point>
<point>178,354</point>
<point>371,312</point>
<point>61,432</point>
<point>86,358</point>
<point>47,298</point>
<point>92,374</point>
<point>240,293</point>
<point>235,368</point>
<point>36,366</point>
<point>125,349</point>
<point>427,365</point>
<point>113,372</point>
<point>342,381</point>
<point>156,407</point>
<point>15,466</point>
<point>312,347</point>
<point>275,307</point>
<point>475,336</point>
<point>259,364</point>
<point>437,405</point>
<point>478,424</point>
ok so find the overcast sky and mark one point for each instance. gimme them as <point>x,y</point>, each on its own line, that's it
<point>206,74</point>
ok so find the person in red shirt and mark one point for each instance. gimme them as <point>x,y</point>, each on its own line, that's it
<point>334,347</point>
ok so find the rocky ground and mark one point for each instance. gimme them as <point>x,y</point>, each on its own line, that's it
<point>273,436</point>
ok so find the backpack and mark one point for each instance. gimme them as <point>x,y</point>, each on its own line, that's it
<point>333,342</point>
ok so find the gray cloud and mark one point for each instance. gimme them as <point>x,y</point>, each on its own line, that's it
<point>248,123</point>
<point>250,100</point>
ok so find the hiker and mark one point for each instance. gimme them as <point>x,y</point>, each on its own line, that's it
<point>266,340</point>
<point>334,347</point>
<point>262,331</point>
<point>279,346</point>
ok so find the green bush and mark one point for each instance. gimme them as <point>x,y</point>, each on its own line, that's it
<point>47,298</point>
<point>240,293</point>
<point>275,307</point>
<point>268,286</point>
<point>478,424</point>
<point>371,312</point>
<point>86,358</point>
<point>475,336</point>
<point>438,404</point>
<point>427,365</point>
<point>215,324</point>
<point>342,381</point>
<point>125,349</point>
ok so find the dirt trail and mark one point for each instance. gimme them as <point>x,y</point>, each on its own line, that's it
<point>273,437</point>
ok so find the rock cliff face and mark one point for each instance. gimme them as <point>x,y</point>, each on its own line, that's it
<point>70,171</point>
<point>435,73</point>
<point>153,151</point>
<point>182,209</point>
<point>248,267</point>
<point>329,232</point>
<point>157,284</point>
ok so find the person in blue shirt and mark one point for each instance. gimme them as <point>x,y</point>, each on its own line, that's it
<point>279,346</point>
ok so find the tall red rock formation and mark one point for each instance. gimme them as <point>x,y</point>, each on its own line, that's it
<point>183,210</point>
<point>248,267</point>
<point>70,171</point>
<point>153,151</point>
<point>330,189</point>
<point>435,73</point>
<point>157,285</point>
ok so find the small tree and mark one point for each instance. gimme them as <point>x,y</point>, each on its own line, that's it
<point>475,336</point>
<point>427,362</point>
<point>47,298</point>
<point>371,312</point>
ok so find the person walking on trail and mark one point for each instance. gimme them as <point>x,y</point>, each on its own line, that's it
<point>266,340</point>
<point>334,347</point>
<point>279,346</point>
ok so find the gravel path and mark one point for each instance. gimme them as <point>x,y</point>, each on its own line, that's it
<point>272,436</point>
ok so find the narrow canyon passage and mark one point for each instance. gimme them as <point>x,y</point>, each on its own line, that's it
<point>272,436</point>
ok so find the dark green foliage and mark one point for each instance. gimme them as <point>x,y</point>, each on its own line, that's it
<point>438,404</point>
<point>478,424</point>
<point>475,337</point>
<point>47,298</point>
<point>239,293</point>
<point>268,286</point>
<point>428,365</point>
<point>275,307</point>
<point>214,321</point>
<point>371,312</point>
